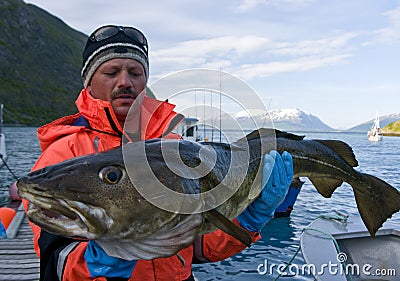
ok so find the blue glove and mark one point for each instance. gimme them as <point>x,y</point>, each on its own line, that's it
<point>275,186</point>
<point>3,232</point>
<point>101,264</point>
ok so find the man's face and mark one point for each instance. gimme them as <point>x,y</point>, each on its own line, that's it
<point>118,81</point>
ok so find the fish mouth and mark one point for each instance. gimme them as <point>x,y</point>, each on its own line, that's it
<point>67,218</point>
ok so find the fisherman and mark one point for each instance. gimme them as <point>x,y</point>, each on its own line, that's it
<point>115,71</point>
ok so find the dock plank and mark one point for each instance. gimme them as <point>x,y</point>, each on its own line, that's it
<point>18,260</point>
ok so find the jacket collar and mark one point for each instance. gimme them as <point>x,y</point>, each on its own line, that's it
<point>98,113</point>
<point>93,110</point>
<point>156,119</point>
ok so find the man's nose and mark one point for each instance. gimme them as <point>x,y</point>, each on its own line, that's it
<point>124,80</point>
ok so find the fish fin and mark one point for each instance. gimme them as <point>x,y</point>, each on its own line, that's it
<point>376,202</point>
<point>227,226</point>
<point>342,149</point>
<point>269,132</point>
<point>282,134</point>
<point>326,186</point>
<point>164,242</point>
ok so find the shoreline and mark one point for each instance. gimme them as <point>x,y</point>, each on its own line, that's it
<point>391,134</point>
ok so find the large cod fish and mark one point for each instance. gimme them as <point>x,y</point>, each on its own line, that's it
<point>105,198</point>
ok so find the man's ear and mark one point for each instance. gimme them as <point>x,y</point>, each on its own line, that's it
<point>89,89</point>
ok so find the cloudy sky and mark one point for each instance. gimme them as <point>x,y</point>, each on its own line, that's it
<point>338,60</point>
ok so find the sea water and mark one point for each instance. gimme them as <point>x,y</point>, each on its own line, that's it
<point>279,244</point>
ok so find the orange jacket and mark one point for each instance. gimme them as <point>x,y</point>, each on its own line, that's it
<point>66,138</point>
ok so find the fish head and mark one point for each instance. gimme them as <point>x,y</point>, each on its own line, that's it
<point>90,197</point>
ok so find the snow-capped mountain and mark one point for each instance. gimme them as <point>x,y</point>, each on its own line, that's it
<point>288,114</point>
<point>283,119</point>
<point>291,119</point>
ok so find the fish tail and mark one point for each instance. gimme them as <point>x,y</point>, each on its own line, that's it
<point>376,201</point>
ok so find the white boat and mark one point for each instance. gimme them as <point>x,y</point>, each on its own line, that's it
<point>342,250</point>
<point>375,134</point>
<point>3,152</point>
<point>188,129</point>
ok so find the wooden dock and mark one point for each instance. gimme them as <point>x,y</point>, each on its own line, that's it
<point>18,260</point>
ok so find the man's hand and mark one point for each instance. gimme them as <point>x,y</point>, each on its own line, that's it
<point>101,264</point>
<point>276,179</point>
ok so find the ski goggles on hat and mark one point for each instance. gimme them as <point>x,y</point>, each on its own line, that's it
<point>109,31</point>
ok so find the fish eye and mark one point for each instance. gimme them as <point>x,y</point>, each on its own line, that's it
<point>111,174</point>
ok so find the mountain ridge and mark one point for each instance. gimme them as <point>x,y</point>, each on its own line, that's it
<point>384,121</point>
<point>41,61</point>
<point>288,119</point>
<point>392,128</point>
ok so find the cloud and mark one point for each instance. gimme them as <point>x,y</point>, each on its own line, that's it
<point>329,45</point>
<point>389,34</point>
<point>251,71</point>
<point>218,46</point>
<point>250,5</point>
<point>392,32</point>
<point>254,56</point>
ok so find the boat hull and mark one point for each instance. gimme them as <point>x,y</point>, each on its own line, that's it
<point>349,250</point>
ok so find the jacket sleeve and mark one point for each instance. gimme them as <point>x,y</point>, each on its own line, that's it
<point>218,245</point>
<point>61,258</point>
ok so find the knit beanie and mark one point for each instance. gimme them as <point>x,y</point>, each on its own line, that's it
<point>116,46</point>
